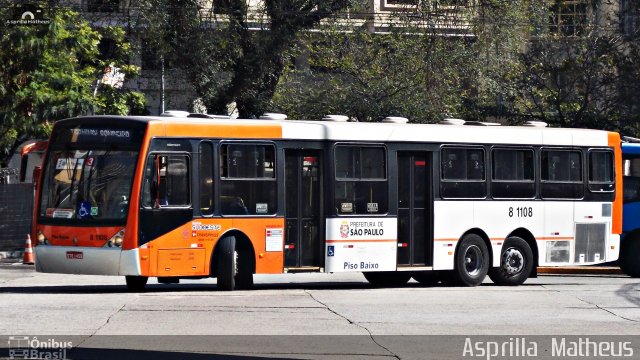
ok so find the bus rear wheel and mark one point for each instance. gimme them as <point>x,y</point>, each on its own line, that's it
<point>472,260</point>
<point>136,283</point>
<point>516,262</point>
<point>387,278</point>
<point>234,271</point>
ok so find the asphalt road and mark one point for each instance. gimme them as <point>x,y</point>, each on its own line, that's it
<point>315,316</point>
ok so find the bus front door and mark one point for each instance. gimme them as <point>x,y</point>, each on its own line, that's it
<point>302,249</point>
<point>415,242</point>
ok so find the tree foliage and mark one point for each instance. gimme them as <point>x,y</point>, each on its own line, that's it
<point>590,79</point>
<point>239,54</point>
<point>423,66</point>
<point>49,72</point>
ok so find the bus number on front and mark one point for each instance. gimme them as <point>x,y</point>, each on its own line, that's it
<point>521,212</point>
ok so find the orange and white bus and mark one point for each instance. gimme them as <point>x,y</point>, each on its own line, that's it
<point>187,197</point>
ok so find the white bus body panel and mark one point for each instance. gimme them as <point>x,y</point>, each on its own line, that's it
<point>361,244</point>
<point>554,224</point>
<point>86,260</point>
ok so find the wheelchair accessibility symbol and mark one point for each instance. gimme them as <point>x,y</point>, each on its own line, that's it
<point>330,250</point>
<point>84,210</point>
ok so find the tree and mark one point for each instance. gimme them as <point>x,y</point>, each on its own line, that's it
<point>428,64</point>
<point>236,63</point>
<point>583,75</point>
<point>48,72</point>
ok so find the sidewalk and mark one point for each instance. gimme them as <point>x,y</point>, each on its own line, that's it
<point>10,258</point>
<point>581,270</point>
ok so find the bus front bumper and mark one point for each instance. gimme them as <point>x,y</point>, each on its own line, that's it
<point>86,260</point>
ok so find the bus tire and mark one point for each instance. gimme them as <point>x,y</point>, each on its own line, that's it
<point>472,261</point>
<point>516,263</point>
<point>428,278</point>
<point>630,256</point>
<point>227,263</point>
<point>387,278</point>
<point>136,283</point>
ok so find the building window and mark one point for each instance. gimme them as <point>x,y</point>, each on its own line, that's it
<point>221,6</point>
<point>248,179</point>
<point>360,180</point>
<point>569,17</point>
<point>462,173</point>
<point>103,6</point>
<point>630,17</point>
<point>394,5</point>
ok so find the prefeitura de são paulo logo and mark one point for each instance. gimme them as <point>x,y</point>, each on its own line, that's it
<point>344,229</point>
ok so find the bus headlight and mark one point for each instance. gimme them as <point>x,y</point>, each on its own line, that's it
<point>116,240</point>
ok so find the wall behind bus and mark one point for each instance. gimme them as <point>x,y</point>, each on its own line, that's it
<point>16,213</point>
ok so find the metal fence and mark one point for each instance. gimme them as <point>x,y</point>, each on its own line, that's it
<point>16,213</point>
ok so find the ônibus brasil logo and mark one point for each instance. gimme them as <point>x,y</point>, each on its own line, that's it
<point>25,347</point>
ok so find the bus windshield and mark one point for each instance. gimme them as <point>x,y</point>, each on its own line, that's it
<point>87,184</point>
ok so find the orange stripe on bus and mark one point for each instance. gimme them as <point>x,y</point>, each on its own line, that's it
<point>616,220</point>
<point>244,131</point>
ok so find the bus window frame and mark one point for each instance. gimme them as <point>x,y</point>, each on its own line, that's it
<point>613,172</point>
<point>213,197</point>
<point>583,173</point>
<point>218,176</point>
<point>153,155</point>
<point>442,180</point>
<point>536,172</point>
<point>335,178</point>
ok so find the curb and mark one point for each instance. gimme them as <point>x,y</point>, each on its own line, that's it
<point>583,270</point>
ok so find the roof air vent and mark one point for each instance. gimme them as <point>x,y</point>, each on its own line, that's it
<point>339,118</point>
<point>481,123</point>
<point>395,120</point>
<point>273,116</point>
<point>452,122</point>
<point>536,123</point>
<point>209,116</point>
<point>175,113</point>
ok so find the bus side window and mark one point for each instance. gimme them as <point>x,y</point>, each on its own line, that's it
<point>166,181</point>
<point>248,179</point>
<point>206,178</point>
<point>462,173</point>
<point>561,174</point>
<point>360,180</point>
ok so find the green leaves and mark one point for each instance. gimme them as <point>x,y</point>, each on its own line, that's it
<point>49,73</point>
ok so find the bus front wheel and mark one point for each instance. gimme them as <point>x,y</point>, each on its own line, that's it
<point>516,262</point>
<point>234,271</point>
<point>472,260</point>
<point>136,283</point>
<point>227,263</point>
<point>387,278</point>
